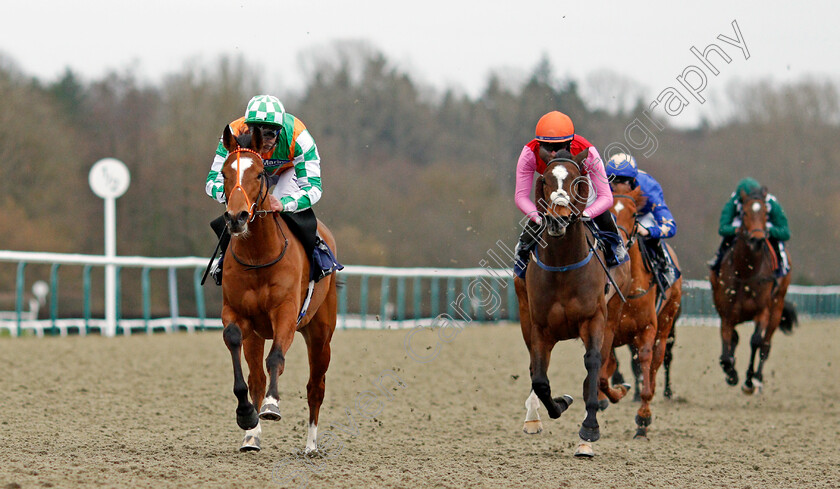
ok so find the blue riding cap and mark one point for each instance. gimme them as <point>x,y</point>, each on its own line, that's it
<point>622,165</point>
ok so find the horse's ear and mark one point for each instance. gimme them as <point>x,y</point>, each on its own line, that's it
<point>538,194</point>
<point>743,195</point>
<point>764,192</point>
<point>229,140</point>
<point>256,139</point>
<point>578,158</point>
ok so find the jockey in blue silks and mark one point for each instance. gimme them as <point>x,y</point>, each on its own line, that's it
<point>655,222</point>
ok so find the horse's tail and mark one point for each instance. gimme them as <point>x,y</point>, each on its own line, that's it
<point>789,319</point>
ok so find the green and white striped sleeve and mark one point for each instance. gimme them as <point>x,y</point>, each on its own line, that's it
<point>215,185</point>
<point>307,173</point>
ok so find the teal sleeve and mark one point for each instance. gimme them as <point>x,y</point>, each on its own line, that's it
<point>726,217</point>
<point>780,230</point>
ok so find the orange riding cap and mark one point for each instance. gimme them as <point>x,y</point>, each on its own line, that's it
<point>555,127</point>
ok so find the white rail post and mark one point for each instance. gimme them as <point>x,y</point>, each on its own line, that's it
<point>109,179</point>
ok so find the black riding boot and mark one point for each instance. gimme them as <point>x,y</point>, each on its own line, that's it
<point>662,262</point>
<point>527,239</point>
<point>304,225</point>
<point>615,252</point>
<point>220,228</point>
<point>725,244</point>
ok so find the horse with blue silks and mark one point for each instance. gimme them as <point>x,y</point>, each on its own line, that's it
<point>646,323</point>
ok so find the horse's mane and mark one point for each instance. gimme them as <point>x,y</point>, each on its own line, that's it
<point>757,194</point>
<point>244,140</point>
<point>626,189</point>
<point>563,154</point>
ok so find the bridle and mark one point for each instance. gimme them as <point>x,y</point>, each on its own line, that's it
<point>631,240</point>
<point>252,206</point>
<point>575,215</point>
<point>631,236</point>
<point>253,210</point>
<point>766,247</point>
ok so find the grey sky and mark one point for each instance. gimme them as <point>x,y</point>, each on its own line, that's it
<point>441,43</point>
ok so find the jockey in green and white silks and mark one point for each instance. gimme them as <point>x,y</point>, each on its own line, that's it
<point>292,149</point>
<point>293,166</point>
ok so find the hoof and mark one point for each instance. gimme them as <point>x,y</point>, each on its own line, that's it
<point>270,412</point>
<point>625,388</point>
<point>564,402</point>
<point>732,379</point>
<point>250,444</point>
<point>584,450</point>
<point>603,404</point>
<point>533,427</point>
<point>249,420</point>
<point>589,434</point>
<point>748,390</point>
<point>641,433</point>
<point>667,393</point>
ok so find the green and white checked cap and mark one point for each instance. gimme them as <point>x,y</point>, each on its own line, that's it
<point>265,109</point>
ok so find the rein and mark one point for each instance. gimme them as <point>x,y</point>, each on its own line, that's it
<point>249,266</point>
<point>253,211</point>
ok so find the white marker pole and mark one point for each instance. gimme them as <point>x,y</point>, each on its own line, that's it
<point>109,179</point>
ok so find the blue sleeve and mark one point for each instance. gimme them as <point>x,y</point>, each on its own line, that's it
<point>665,225</point>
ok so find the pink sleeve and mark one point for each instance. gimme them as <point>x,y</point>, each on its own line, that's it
<point>525,168</point>
<point>598,177</point>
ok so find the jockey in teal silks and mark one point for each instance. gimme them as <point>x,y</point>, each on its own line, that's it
<point>730,220</point>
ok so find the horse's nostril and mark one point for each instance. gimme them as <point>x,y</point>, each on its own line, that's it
<point>243,216</point>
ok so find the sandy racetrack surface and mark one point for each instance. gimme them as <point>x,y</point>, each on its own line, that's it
<point>158,411</point>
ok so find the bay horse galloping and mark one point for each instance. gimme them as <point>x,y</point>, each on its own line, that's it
<point>747,289</point>
<point>265,291</point>
<point>563,297</point>
<point>642,327</point>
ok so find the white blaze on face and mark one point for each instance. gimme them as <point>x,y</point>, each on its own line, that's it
<point>618,207</point>
<point>756,206</point>
<point>243,165</point>
<point>559,196</point>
